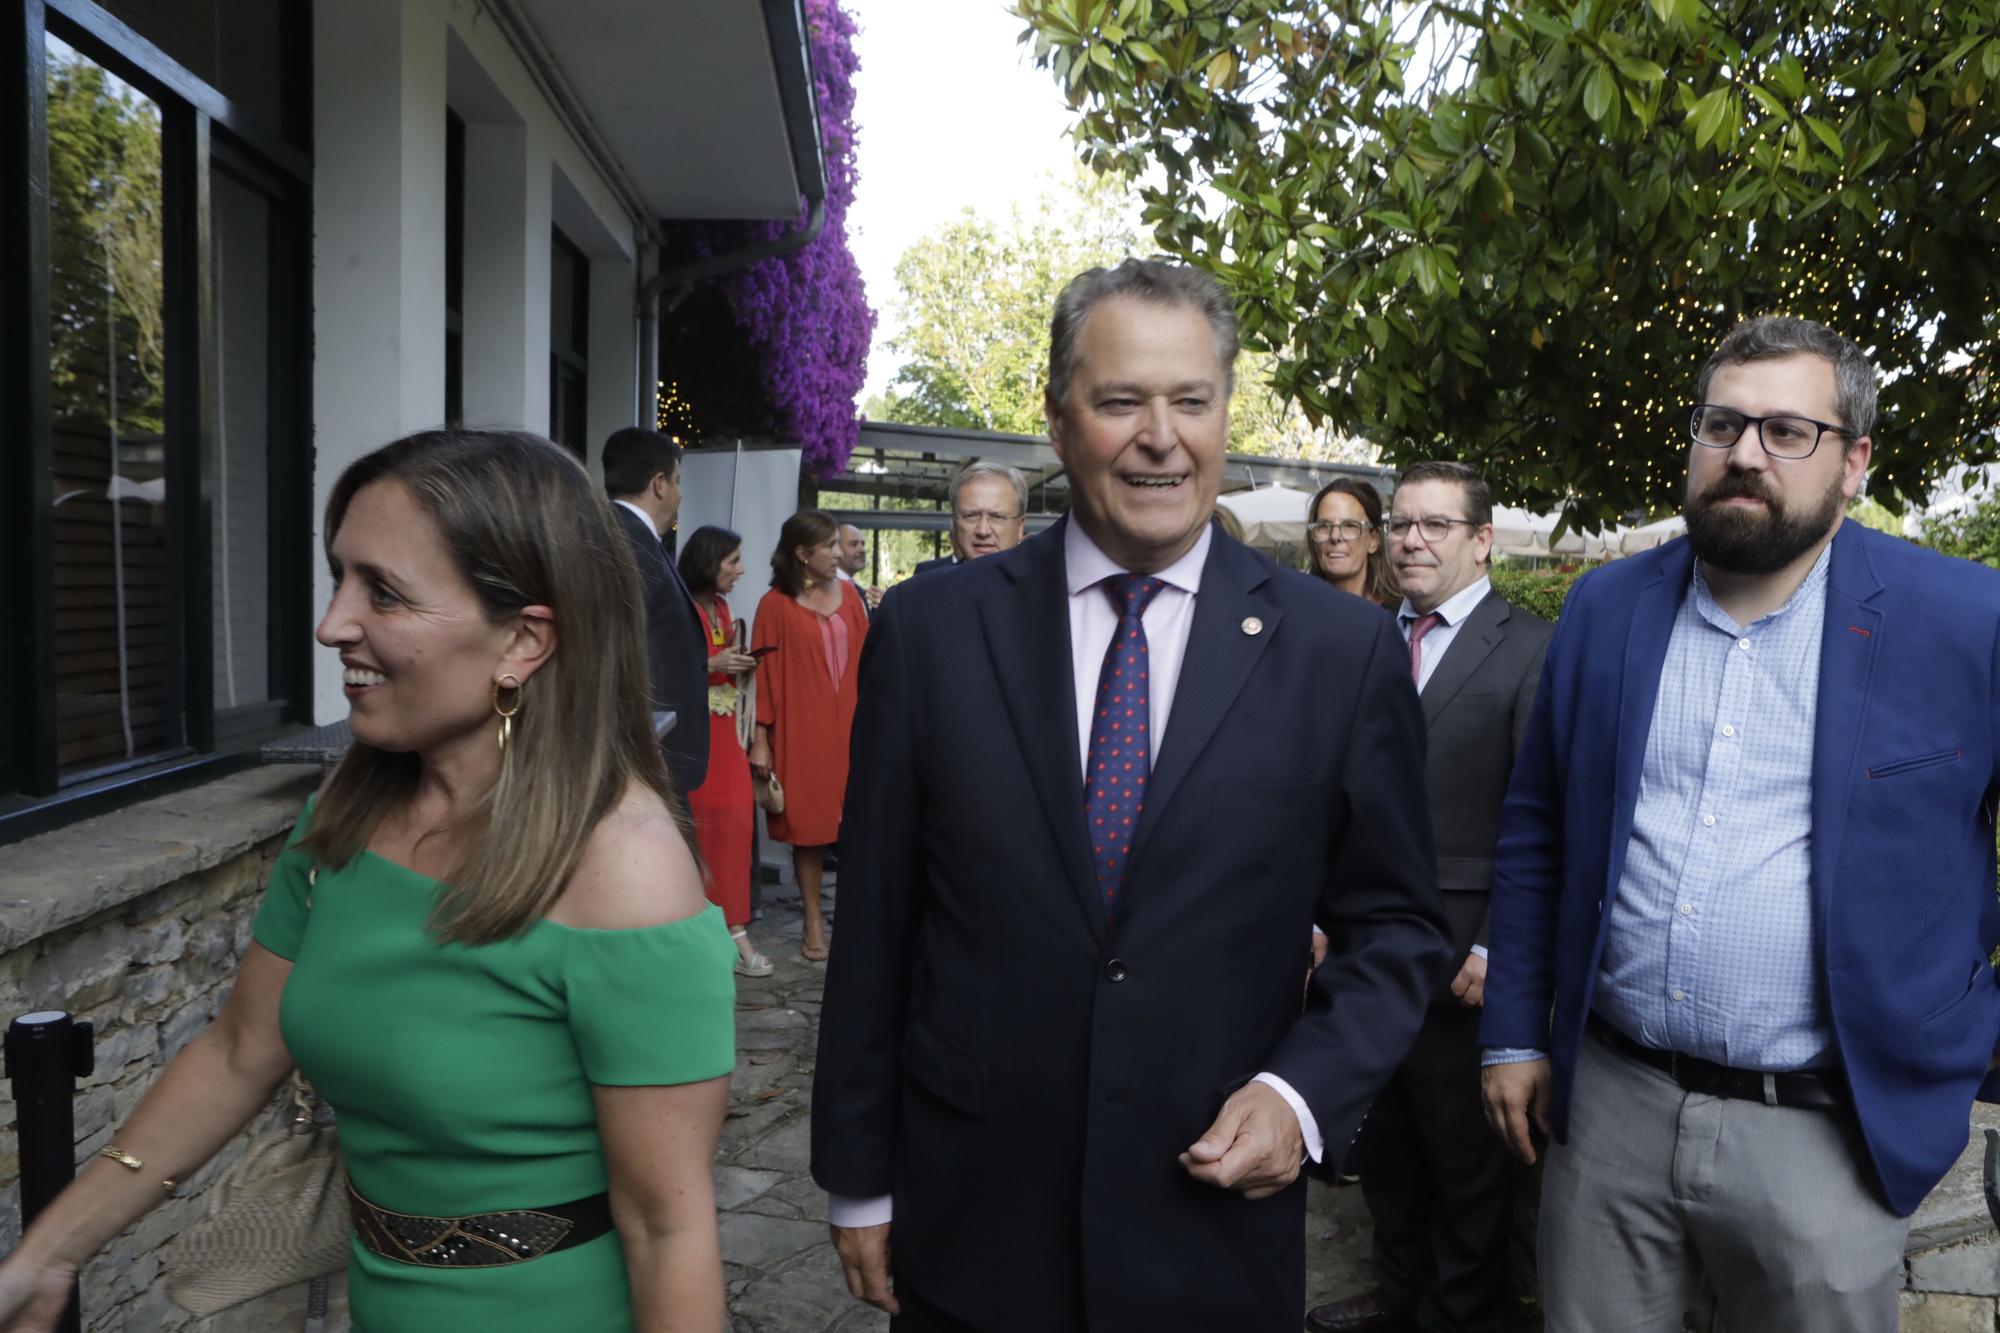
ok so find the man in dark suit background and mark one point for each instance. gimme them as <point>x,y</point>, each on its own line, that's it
<point>989,513</point>
<point>1436,1183</point>
<point>1062,1051</point>
<point>642,475</point>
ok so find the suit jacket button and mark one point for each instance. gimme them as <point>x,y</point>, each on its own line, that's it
<point>1115,970</point>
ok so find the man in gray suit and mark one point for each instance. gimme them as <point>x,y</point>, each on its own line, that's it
<point>1436,1185</point>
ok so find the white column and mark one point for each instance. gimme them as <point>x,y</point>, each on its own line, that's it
<point>378,244</point>
<point>507,238</point>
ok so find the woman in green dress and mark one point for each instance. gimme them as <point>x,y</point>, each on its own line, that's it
<point>486,942</point>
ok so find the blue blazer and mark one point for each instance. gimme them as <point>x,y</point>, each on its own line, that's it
<point>1905,770</point>
<point>1020,1073</point>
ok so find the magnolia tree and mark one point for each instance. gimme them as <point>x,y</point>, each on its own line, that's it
<point>972,309</point>
<point>1511,231</point>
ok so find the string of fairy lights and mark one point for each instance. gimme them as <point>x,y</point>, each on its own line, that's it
<point>675,417</point>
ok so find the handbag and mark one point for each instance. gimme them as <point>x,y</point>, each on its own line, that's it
<point>277,1217</point>
<point>767,793</point>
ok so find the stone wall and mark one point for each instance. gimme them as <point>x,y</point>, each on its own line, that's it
<point>136,921</point>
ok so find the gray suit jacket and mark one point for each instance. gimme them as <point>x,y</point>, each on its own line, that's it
<point>1476,707</point>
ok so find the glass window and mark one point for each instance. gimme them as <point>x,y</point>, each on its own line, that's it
<point>569,345</point>
<point>238,466</point>
<point>107,362</point>
<point>236,47</point>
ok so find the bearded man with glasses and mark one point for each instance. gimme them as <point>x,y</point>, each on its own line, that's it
<point>1747,864</point>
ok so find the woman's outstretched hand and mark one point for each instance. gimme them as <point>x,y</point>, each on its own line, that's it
<point>32,1296</point>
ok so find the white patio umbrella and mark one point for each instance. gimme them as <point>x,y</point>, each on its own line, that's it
<point>1270,516</point>
<point>1630,541</point>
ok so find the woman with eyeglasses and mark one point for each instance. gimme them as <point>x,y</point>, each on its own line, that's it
<point>1344,536</point>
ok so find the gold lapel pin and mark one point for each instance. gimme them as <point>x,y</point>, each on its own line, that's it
<point>1252,625</point>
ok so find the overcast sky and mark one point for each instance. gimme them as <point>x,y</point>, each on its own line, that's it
<point>951,113</point>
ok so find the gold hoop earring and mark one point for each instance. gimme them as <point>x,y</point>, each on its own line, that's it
<point>506,715</point>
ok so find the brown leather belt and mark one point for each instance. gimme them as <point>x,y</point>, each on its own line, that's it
<point>479,1240</point>
<point>1815,1089</point>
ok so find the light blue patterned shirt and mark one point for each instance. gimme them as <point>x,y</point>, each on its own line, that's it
<point>1709,950</point>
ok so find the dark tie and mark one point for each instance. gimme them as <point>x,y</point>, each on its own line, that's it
<point>1419,627</point>
<point>1121,750</point>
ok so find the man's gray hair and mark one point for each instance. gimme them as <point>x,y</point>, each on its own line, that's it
<point>1769,337</point>
<point>1153,280</point>
<point>980,467</point>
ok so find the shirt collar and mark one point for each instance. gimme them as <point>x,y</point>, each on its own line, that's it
<point>1088,566</point>
<point>644,517</point>
<point>1455,607</point>
<point>1711,610</point>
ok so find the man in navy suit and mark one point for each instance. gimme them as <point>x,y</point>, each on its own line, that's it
<point>1747,862</point>
<point>1104,784</point>
<point>642,475</point>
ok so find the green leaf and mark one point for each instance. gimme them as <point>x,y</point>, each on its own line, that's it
<point>1787,76</point>
<point>1828,135</point>
<point>1598,90</point>
<point>1708,115</point>
<point>1391,218</point>
<point>1145,52</point>
<point>1770,103</point>
<point>1640,70</point>
<point>1100,56</point>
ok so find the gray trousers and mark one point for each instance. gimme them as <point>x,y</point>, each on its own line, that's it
<point>1657,1187</point>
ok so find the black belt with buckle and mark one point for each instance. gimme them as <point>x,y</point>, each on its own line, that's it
<point>1813,1089</point>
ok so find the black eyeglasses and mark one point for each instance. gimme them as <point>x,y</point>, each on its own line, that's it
<point>1347,530</point>
<point>1434,528</point>
<point>1787,436</point>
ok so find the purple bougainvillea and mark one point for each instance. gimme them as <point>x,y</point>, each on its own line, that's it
<point>805,314</point>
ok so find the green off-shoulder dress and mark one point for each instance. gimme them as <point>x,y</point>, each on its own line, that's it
<point>461,1075</point>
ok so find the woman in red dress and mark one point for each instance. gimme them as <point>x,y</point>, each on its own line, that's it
<point>805,698</point>
<point>724,820</point>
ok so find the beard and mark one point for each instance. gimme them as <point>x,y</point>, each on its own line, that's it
<point>1744,541</point>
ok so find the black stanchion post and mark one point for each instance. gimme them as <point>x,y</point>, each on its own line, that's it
<point>46,1053</point>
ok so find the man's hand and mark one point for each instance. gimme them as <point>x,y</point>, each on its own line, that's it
<point>873,597</point>
<point>1254,1146</point>
<point>864,1257</point>
<point>1470,983</point>
<point>1514,1094</point>
<point>1319,947</point>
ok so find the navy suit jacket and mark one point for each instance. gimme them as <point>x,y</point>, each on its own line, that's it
<point>1905,768</point>
<point>1021,1075</point>
<point>676,652</point>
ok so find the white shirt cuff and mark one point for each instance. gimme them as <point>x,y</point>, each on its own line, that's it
<point>1308,1127</point>
<point>842,1211</point>
<point>1479,949</point>
<point>1510,1055</point>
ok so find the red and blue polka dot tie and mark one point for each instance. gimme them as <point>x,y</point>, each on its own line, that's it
<point>1121,744</point>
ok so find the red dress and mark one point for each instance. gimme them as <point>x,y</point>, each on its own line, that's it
<point>724,815</point>
<point>809,708</point>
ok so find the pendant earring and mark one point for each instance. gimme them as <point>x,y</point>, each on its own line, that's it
<point>506,715</point>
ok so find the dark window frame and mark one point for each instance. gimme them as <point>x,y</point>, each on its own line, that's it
<point>569,364</point>
<point>201,131</point>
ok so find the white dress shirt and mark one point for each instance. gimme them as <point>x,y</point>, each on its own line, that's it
<point>1093,622</point>
<point>1451,614</point>
<point>644,517</point>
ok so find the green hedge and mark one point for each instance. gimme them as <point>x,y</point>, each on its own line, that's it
<point>1539,590</point>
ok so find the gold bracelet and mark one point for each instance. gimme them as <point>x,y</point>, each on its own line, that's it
<point>123,1158</point>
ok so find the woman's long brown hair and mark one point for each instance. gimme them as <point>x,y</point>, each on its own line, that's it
<point>525,527</point>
